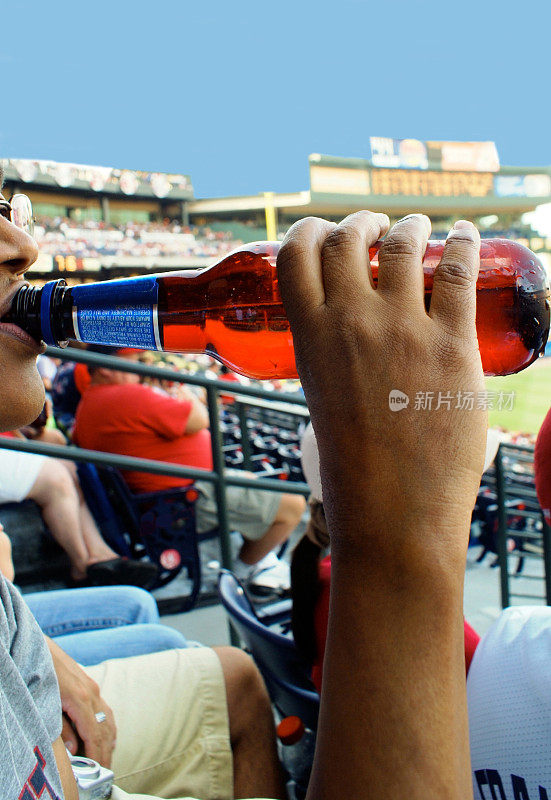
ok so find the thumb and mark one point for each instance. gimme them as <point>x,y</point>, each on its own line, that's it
<point>69,736</point>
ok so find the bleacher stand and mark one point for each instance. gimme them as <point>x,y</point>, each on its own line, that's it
<point>94,239</point>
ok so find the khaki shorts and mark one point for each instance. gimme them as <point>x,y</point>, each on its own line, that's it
<point>250,511</point>
<point>171,714</point>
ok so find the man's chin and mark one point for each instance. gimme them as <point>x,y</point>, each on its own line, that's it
<point>21,399</point>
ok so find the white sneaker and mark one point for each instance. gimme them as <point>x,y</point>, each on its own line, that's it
<point>269,576</point>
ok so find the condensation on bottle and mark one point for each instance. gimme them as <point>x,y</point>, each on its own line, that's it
<point>233,311</point>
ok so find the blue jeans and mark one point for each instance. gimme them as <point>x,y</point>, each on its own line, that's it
<point>103,622</point>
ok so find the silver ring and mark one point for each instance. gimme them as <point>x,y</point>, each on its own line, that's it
<point>100,716</point>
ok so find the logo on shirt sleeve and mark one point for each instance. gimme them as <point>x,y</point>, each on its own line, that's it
<point>37,785</point>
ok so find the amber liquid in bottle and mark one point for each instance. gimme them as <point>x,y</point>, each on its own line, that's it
<point>233,311</point>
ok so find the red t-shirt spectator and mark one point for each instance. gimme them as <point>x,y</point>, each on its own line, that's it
<point>321,616</point>
<point>132,419</point>
<point>230,377</point>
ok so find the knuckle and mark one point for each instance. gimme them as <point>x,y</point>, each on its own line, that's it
<point>363,218</point>
<point>308,222</point>
<point>455,271</point>
<point>399,244</point>
<point>301,242</point>
<point>290,250</point>
<point>342,238</point>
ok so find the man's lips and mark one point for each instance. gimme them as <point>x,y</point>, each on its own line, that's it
<point>10,328</point>
<point>15,332</point>
<point>6,302</point>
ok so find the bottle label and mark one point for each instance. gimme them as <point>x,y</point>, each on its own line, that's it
<point>121,313</point>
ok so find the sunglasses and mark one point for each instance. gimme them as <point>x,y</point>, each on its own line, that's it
<point>19,211</point>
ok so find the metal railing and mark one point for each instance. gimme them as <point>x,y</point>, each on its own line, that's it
<point>515,482</point>
<point>218,475</point>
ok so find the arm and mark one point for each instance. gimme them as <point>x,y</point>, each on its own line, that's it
<point>199,415</point>
<point>171,417</point>
<point>70,790</point>
<point>6,562</point>
<point>393,720</point>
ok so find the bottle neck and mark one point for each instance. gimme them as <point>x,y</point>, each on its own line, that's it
<point>45,313</point>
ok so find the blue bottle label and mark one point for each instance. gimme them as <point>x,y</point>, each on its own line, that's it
<point>121,313</point>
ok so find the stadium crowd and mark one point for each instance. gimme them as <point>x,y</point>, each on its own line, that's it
<point>383,619</point>
<point>90,238</point>
<point>66,236</point>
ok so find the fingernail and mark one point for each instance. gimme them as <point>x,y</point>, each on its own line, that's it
<point>465,228</point>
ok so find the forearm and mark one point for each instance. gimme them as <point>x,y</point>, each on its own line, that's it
<point>393,721</point>
<point>56,652</point>
<point>70,791</point>
<point>198,418</point>
<point>6,562</point>
<point>398,490</point>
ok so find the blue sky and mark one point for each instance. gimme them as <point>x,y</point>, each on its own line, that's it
<point>238,94</point>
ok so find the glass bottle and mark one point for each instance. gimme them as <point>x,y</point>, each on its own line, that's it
<point>233,311</point>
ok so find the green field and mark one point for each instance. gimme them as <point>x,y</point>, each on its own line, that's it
<point>532,400</point>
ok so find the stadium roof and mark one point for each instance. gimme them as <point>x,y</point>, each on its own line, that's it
<point>98,180</point>
<point>340,185</point>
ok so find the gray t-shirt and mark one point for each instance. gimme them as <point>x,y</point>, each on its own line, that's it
<point>30,707</point>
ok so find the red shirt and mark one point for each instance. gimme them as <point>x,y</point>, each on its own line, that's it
<point>135,420</point>
<point>321,617</point>
<point>230,377</point>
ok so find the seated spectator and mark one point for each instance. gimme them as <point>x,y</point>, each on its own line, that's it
<point>509,684</point>
<point>38,431</point>
<point>97,623</point>
<point>54,487</point>
<point>68,385</point>
<point>508,691</point>
<point>118,414</point>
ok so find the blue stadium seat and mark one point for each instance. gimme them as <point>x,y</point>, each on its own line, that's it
<point>285,672</point>
<point>160,525</point>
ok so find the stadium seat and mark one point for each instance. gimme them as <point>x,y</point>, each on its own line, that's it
<point>285,672</point>
<point>160,525</point>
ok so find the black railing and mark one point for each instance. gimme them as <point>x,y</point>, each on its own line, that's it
<point>515,482</point>
<point>285,403</point>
